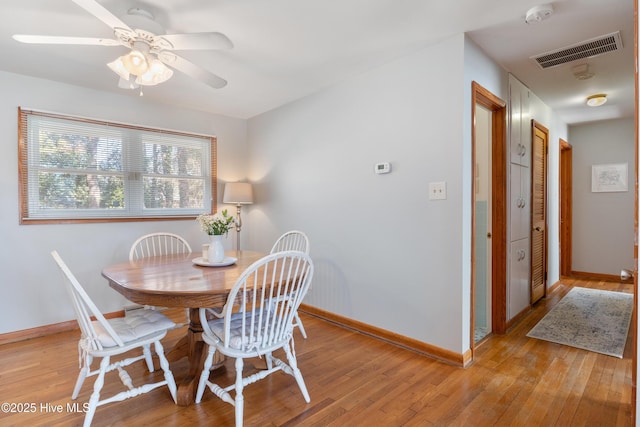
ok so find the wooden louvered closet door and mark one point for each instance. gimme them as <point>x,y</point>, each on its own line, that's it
<point>539,212</point>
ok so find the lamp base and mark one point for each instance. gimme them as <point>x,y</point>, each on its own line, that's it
<point>238,226</point>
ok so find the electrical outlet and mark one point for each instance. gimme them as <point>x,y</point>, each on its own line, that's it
<point>437,190</point>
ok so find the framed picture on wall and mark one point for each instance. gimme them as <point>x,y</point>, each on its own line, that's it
<point>609,178</point>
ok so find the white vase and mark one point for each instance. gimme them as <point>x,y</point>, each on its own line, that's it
<point>216,249</point>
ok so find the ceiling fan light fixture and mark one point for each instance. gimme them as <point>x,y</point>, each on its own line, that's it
<point>157,73</point>
<point>146,41</point>
<point>596,100</point>
<point>135,62</point>
<point>118,67</point>
<point>128,83</point>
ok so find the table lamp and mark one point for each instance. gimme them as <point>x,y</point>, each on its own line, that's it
<point>238,193</point>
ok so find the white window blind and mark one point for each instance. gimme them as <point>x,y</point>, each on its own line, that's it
<point>74,168</point>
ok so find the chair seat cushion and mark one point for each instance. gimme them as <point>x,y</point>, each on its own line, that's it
<point>133,326</point>
<point>236,340</point>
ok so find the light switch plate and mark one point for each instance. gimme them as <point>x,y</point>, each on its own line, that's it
<point>437,190</point>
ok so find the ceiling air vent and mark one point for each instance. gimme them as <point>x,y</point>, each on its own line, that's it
<point>587,49</point>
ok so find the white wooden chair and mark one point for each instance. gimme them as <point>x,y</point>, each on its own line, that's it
<point>293,240</point>
<point>257,320</point>
<point>106,338</point>
<point>157,244</point>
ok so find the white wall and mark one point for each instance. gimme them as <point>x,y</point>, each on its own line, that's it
<point>385,254</point>
<point>557,130</point>
<point>32,291</point>
<point>603,223</point>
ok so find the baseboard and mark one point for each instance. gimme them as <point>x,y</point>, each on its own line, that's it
<point>461,360</point>
<point>45,330</point>
<point>552,288</point>
<point>595,276</point>
<point>518,317</point>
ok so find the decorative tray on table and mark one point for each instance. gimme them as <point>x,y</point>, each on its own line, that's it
<point>229,260</point>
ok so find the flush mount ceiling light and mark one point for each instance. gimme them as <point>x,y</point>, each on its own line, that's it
<point>538,13</point>
<point>596,100</point>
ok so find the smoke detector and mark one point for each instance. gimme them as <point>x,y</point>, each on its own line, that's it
<point>538,13</point>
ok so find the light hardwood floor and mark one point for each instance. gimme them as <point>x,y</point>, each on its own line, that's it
<point>353,380</point>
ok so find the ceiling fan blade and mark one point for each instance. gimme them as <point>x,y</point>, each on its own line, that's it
<point>97,10</point>
<point>24,38</point>
<point>192,70</point>
<point>198,41</point>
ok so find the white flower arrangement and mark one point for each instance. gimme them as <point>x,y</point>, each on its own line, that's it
<point>216,224</point>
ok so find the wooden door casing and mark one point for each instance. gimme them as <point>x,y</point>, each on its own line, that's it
<point>483,97</point>
<point>566,207</point>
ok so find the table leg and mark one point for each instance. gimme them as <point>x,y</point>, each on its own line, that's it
<point>192,347</point>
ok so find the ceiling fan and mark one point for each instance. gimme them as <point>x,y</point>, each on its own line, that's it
<point>151,50</point>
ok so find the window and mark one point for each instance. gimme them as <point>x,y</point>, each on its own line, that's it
<point>81,170</point>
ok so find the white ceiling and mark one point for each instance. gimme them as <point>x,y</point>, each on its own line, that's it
<point>512,44</point>
<point>287,49</point>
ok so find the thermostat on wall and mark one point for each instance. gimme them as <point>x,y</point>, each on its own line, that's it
<point>382,167</point>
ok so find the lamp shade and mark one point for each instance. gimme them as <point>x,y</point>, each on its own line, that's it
<point>118,67</point>
<point>239,193</point>
<point>156,73</point>
<point>135,62</point>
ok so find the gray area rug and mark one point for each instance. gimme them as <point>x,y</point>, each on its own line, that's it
<point>589,319</point>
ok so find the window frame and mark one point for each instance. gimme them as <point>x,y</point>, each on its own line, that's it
<point>23,172</point>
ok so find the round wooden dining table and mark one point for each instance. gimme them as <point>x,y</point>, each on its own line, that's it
<point>176,281</point>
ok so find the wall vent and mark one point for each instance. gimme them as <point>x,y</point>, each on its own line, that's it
<point>587,49</point>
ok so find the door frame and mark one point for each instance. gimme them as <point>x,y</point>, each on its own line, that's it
<point>499,202</point>
<point>566,207</point>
